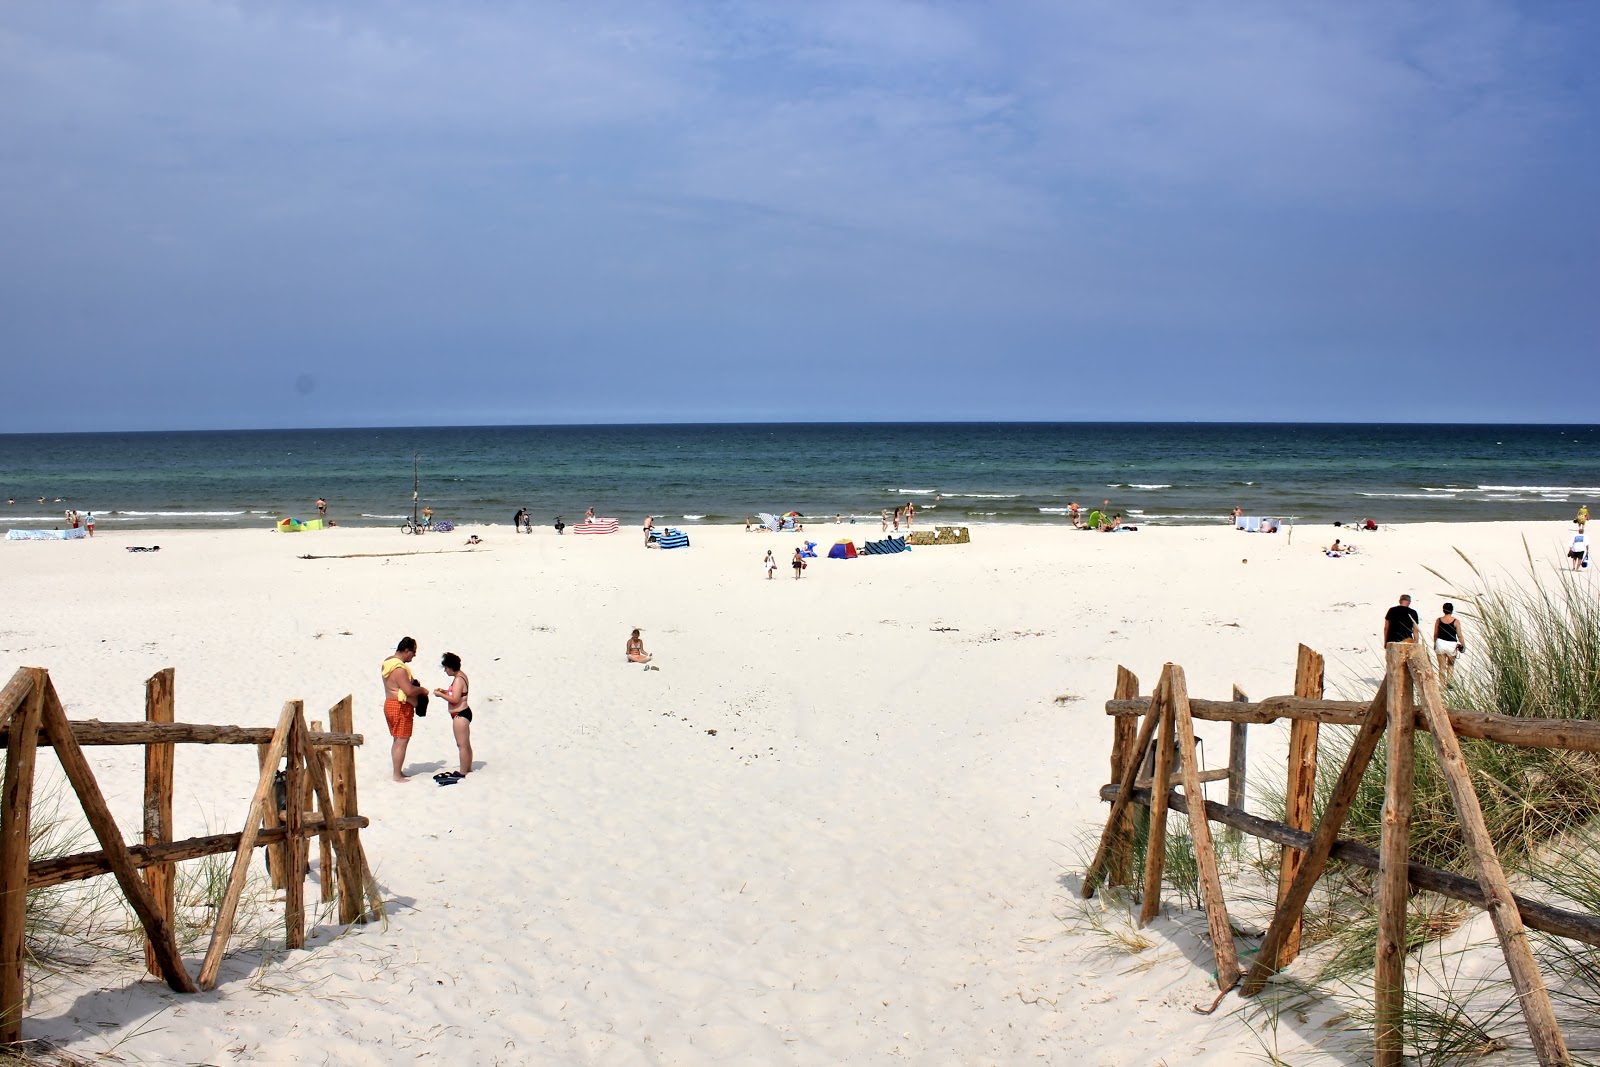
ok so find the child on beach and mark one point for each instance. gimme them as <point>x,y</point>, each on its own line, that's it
<point>770,564</point>
<point>455,695</point>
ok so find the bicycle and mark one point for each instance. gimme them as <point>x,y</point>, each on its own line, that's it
<point>410,527</point>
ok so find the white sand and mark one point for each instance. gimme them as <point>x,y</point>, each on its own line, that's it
<point>865,864</point>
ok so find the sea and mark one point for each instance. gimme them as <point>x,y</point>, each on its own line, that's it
<point>1152,473</point>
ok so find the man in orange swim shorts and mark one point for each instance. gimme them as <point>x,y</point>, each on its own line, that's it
<point>400,693</point>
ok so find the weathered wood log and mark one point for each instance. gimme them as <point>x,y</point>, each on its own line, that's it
<point>25,700</point>
<point>1323,842</point>
<point>159,706</point>
<point>1123,734</point>
<point>1576,925</point>
<point>1574,735</point>
<point>252,830</point>
<point>1394,847</point>
<point>16,690</point>
<point>1532,995</point>
<point>95,732</point>
<point>1300,790</point>
<point>1205,852</point>
<point>106,831</point>
<point>1220,774</point>
<point>81,865</point>
<point>1155,853</point>
<point>1113,830</point>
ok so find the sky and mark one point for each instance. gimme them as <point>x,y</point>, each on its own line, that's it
<point>241,214</point>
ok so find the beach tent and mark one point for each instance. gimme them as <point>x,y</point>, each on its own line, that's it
<point>842,550</point>
<point>1095,519</point>
<point>672,538</point>
<point>598,526</point>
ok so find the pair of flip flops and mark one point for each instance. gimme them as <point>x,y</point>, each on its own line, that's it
<point>448,777</point>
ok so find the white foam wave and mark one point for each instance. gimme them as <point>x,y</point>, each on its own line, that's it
<point>1399,496</point>
<point>180,514</point>
<point>913,492</point>
<point>982,496</point>
<point>1139,485</point>
<point>1540,489</point>
<point>689,518</point>
<point>1047,511</point>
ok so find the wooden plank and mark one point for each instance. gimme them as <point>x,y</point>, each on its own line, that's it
<point>24,700</point>
<point>1238,738</point>
<point>1389,971</point>
<point>271,819</point>
<point>1573,735</point>
<point>1219,774</point>
<point>241,860</point>
<point>1576,925</point>
<point>1124,734</point>
<point>1286,919</point>
<point>1205,853</point>
<point>94,732</point>
<point>81,865</point>
<point>76,766</point>
<point>325,880</point>
<point>1300,791</point>
<point>1155,853</point>
<point>352,889</point>
<point>159,761</point>
<point>17,689</point>
<point>294,889</point>
<point>1532,995</point>
<point>1109,836</point>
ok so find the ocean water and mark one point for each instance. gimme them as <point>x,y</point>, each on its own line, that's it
<point>1158,473</point>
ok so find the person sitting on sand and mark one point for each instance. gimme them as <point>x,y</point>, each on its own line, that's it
<point>1335,550</point>
<point>1368,524</point>
<point>455,696</point>
<point>588,515</point>
<point>635,650</point>
<point>474,540</point>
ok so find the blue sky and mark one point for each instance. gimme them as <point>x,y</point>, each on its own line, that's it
<point>220,214</point>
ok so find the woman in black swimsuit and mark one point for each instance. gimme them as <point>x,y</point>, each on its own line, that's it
<point>1447,643</point>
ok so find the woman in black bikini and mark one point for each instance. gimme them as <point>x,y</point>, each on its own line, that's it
<point>460,714</point>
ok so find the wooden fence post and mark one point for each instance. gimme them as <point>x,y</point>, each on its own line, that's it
<point>1124,797</point>
<point>1123,736</point>
<point>1300,791</point>
<point>1155,853</point>
<point>1238,737</point>
<point>352,887</point>
<point>277,864</point>
<point>24,697</point>
<point>294,888</point>
<point>1389,969</point>
<point>325,877</point>
<point>159,764</point>
<point>1205,853</point>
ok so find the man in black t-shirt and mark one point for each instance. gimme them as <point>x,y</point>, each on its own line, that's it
<point>1400,622</point>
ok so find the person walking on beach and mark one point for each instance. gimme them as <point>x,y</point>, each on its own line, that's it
<point>88,521</point>
<point>885,520</point>
<point>1400,622</point>
<point>911,514</point>
<point>1583,517</point>
<point>799,563</point>
<point>770,564</point>
<point>322,508</point>
<point>1578,551</point>
<point>455,695</point>
<point>650,531</point>
<point>1447,642</point>
<point>401,697</point>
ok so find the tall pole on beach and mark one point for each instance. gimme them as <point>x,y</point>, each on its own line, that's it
<point>415,485</point>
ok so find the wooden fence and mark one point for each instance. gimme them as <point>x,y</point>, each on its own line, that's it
<point>319,771</point>
<point>1408,700</point>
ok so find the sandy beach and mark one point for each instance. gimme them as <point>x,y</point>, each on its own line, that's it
<point>841,823</point>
